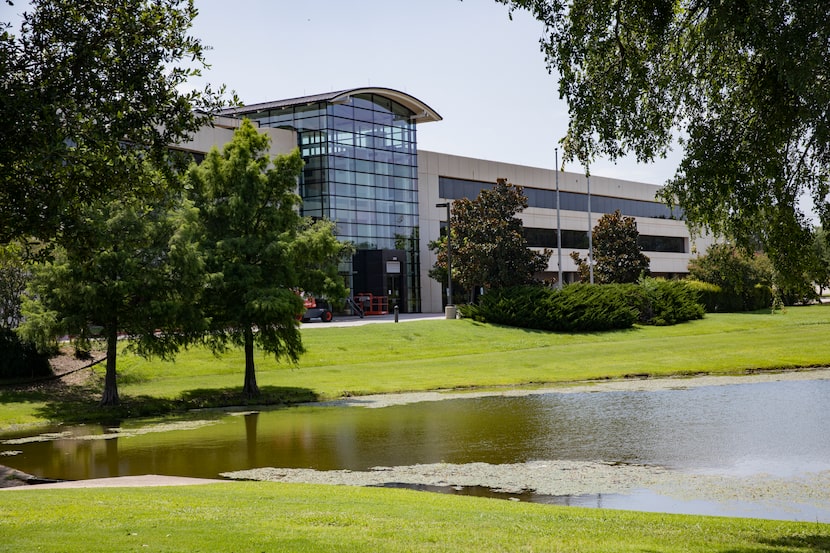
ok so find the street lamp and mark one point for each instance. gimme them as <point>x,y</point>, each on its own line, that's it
<point>558,221</point>
<point>449,261</point>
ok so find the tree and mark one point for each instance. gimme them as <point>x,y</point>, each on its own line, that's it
<point>136,274</point>
<point>617,256</point>
<point>89,92</point>
<point>489,247</point>
<point>742,83</point>
<point>259,251</point>
<point>14,275</point>
<point>739,276</point>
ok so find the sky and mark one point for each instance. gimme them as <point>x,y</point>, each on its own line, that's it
<point>480,70</point>
<point>483,73</point>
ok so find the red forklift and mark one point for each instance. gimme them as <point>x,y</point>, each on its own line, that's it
<point>316,308</point>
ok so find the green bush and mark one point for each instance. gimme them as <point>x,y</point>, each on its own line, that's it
<point>717,300</point>
<point>663,302</point>
<point>575,308</point>
<point>20,359</point>
<point>587,307</point>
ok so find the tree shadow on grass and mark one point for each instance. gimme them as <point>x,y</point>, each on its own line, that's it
<point>82,406</point>
<point>810,543</point>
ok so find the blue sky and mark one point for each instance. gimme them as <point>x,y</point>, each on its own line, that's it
<point>481,71</point>
<point>466,59</point>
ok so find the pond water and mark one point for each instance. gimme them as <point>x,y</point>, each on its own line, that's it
<point>774,428</point>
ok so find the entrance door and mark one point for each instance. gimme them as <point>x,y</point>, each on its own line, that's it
<point>393,289</point>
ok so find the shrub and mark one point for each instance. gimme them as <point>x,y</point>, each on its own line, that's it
<point>19,359</point>
<point>667,302</point>
<point>744,280</point>
<point>715,299</point>
<point>589,307</point>
<point>575,308</point>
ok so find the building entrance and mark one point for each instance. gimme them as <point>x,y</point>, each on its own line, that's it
<point>379,278</point>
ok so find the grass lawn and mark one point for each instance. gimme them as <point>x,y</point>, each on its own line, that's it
<point>255,517</point>
<point>441,354</point>
<point>263,516</point>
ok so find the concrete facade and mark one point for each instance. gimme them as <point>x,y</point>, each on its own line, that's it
<point>433,165</point>
<point>221,132</point>
<point>364,171</point>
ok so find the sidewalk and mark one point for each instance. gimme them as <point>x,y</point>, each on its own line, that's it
<point>351,320</point>
<point>145,480</point>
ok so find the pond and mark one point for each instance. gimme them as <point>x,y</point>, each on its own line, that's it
<point>774,433</point>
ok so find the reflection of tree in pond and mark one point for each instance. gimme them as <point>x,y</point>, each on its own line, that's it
<point>251,421</point>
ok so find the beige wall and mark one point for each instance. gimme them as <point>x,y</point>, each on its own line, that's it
<point>282,141</point>
<point>431,165</point>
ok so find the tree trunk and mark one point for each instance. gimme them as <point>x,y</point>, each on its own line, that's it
<point>250,389</point>
<point>110,396</point>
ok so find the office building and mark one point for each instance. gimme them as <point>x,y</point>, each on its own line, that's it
<point>365,172</point>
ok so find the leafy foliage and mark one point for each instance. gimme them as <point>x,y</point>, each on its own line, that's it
<point>90,92</point>
<point>716,300</point>
<point>740,278</point>
<point>617,256</point>
<point>819,270</point>
<point>136,274</point>
<point>259,252</point>
<point>488,245</point>
<point>744,85</point>
<point>14,275</point>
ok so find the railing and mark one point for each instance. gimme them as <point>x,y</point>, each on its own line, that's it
<point>372,305</point>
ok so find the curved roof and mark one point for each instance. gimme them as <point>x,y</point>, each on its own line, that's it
<point>423,113</point>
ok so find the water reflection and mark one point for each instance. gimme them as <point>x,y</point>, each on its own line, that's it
<point>776,428</point>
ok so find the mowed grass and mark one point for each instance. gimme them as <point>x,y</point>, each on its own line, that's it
<point>256,517</point>
<point>442,354</point>
<point>263,516</point>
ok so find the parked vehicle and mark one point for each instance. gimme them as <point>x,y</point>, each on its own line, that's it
<point>317,308</point>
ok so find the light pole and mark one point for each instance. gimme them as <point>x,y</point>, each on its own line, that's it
<point>558,223</point>
<point>450,306</point>
<point>590,231</point>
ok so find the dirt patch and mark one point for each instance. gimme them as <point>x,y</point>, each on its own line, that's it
<point>70,370</point>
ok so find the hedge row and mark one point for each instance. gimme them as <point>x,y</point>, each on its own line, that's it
<point>587,308</point>
<point>716,300</point>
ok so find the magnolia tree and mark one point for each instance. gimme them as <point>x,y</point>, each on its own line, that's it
<point>489,248</point>
<point>616,255</point>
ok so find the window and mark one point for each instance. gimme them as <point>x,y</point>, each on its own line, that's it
<point>453,189</point>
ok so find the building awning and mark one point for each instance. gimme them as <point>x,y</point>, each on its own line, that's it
<point>422,112</point>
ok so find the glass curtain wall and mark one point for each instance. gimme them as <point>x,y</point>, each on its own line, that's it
<point>361,172</point>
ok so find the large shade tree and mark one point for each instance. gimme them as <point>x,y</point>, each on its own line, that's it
<point>259,251</point>
<point>136,273</point>
<point>89,92</point>
<point>489,248</point>
<point>741,83</point>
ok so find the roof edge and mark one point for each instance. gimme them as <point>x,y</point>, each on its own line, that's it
<point>423,113</point>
